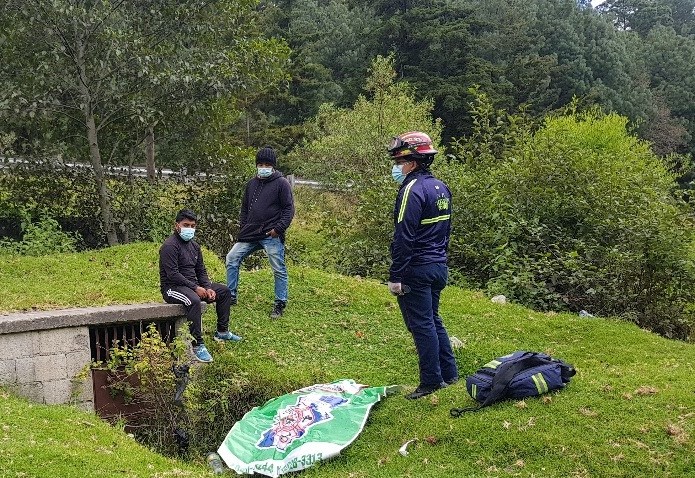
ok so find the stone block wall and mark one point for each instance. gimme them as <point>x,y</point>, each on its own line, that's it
<point>41,353</point>
<point>41,365</point>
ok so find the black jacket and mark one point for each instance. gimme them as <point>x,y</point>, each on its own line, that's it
<point>181,264</point>
<point>267,204</point>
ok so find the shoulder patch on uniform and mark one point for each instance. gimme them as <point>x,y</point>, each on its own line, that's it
<point>443,203</point>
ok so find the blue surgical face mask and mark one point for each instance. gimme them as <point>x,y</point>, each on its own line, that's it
<point>397,173</point>
<point>264,172</point>
<point>187,233</point>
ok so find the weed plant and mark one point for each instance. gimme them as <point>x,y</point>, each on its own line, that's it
<point>39,238</point>
<point>152,375</point>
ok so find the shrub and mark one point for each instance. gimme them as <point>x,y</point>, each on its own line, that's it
<point>363,234</point>
<point>142,211</point>
<point>221,394</point>
<point>144,374</point>
<point>217,201</point>
<point>348,147</point>
<point>308,242</point>
<point>40,238</point>
<point>578,215</point>
<point>201,407</point>
<point>43,189</point>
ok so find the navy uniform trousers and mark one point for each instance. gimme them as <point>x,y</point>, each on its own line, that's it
<point>420,309</point>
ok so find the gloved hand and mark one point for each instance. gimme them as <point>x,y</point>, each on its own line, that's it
<point>395,288</point>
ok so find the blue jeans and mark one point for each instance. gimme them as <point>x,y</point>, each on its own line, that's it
<point>275,250</point>
<point>420,309</point>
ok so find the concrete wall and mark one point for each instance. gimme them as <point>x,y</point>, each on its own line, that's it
<point>42,352</point>
<point>41,365</point>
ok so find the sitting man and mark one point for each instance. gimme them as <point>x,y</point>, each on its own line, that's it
<point>184,280</point>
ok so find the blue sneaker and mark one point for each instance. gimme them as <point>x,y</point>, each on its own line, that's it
<point>226,337</point>
<point>202,354</point>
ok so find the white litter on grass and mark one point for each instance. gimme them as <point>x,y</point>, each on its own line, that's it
<point>455,342</point>
<point>499,299</point>
<point>404,449</point>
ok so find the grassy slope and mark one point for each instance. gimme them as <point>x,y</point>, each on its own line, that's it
<point>60,441</point>
<point>630,411</point>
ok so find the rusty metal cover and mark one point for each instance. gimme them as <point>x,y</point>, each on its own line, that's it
<point>112,407</point>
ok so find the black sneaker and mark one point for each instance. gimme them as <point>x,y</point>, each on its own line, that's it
<point>278,309</point>
<point>233,301</point>
<point>424,390</point>
<point>452,381</point>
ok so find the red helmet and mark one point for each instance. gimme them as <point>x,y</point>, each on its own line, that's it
<point>411,143</point>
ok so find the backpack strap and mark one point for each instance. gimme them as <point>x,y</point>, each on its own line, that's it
<point>502,379</point>
<point>567,371</point>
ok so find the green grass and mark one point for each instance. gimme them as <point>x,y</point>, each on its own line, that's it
<point>117,275</point>
<point>60,441</point>
<point>629,411</point>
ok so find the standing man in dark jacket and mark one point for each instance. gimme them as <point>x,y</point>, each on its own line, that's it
<point>422,219</point>
<point>267,210</point>
<point>184,280</point>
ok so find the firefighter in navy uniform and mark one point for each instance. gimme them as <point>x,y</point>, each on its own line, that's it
<point>422,219</point>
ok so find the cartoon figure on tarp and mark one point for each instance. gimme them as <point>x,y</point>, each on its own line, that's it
<point>293,421</point>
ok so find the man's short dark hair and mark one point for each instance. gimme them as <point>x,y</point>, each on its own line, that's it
<point>186,214</point>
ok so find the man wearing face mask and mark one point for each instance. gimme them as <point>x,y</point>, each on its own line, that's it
<point>418,273</point>
<point>267,209</point>
<point>184,280</point>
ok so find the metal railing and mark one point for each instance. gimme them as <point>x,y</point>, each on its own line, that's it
<point>138,171</point>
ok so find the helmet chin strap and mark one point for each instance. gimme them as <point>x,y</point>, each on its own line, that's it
<point>423,160</point>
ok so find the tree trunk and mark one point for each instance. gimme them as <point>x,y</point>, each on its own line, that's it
<point>94,153</point>
<point>149,154</point>
<point>104,193</point>
<point>248,127</point>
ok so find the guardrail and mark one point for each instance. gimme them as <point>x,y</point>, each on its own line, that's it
<point>141,172</point>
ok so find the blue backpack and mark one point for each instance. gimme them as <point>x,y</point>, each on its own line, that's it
<point>517,375</point>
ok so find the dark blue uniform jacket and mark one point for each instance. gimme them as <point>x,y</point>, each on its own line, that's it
<point>422,219</point>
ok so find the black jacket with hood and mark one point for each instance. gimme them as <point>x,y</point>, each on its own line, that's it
<point>267,204</point>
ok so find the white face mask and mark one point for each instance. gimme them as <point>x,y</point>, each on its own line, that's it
<point>397,173</point>
<point>264,172</point>
<point>187,233</point>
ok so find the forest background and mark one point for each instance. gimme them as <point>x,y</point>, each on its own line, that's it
<point>566,133</point>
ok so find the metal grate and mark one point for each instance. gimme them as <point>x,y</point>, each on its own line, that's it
<point>103,338</point>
